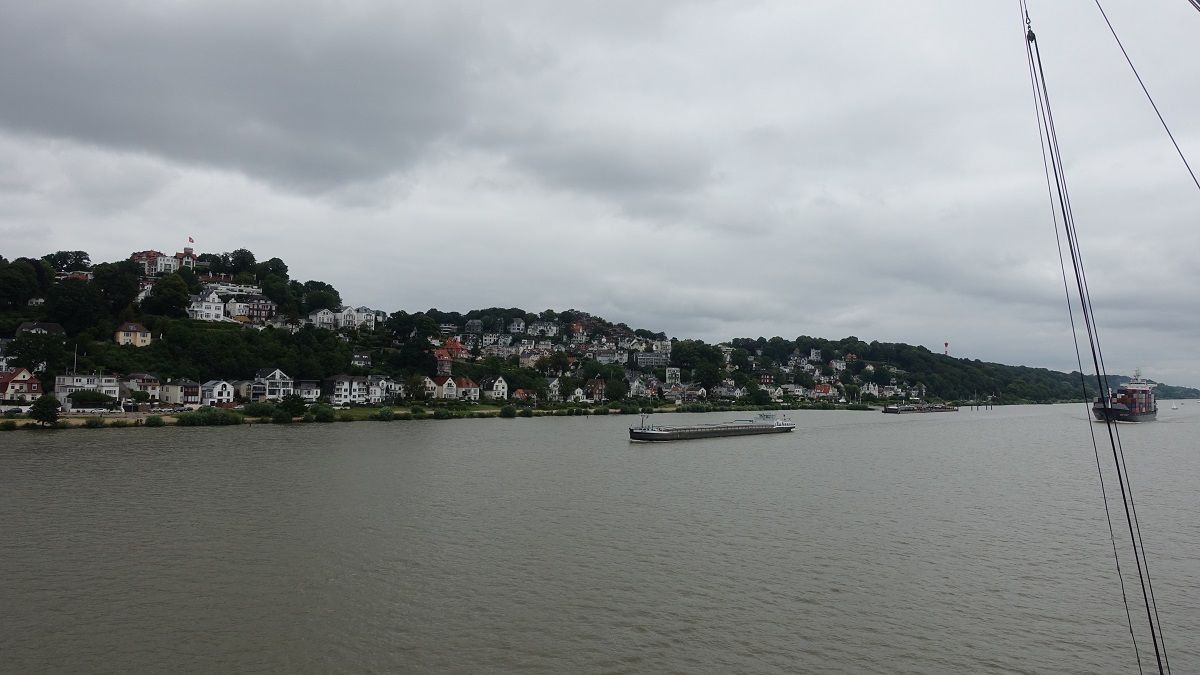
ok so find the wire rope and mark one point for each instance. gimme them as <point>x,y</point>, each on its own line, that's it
<point>1061,204</point>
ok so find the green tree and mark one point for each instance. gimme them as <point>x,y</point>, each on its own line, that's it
<point>241,260</point>
<point>118,283</point>
<point>38,352</point>
<point>45,409</point>
<point>76,304</point>
<point>294,404</point>
<point>18,283</point>
<point>615,389</point>
<point>169,297</point>
<point>707,374</point>
<point>68,261</point>
<point>271,268</point>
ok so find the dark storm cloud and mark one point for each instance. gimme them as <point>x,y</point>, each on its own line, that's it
<point>302,94</point>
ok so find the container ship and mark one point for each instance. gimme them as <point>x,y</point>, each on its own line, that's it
<point>1131,402</point>
<point>765,424</point>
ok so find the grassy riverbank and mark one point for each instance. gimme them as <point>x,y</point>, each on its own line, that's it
<point>319,414</point>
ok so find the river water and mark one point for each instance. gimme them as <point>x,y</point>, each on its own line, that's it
<point>967,542</point>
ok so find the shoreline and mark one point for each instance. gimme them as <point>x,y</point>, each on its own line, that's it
<point>118,420</point>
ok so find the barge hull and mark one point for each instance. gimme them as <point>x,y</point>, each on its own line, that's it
<point>715,431</point>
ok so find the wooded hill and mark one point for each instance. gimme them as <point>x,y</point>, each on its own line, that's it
<point>90,310</point>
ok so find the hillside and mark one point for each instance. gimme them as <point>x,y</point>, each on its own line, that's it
<point>91,301</point>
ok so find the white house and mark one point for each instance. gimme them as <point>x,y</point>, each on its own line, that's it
<point>207,307</point>
<point>275,384</point>
<point>346,389</point>
<point>309,390</point>
<point>494,388</point>
<point>445,387</point>
<point>323,318</point>
<point>215,392</point>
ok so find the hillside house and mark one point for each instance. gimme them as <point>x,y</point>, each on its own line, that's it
<point>130,333</point>
<point>20,385</point>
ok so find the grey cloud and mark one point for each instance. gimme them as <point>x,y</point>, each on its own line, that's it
<point>300,94</point>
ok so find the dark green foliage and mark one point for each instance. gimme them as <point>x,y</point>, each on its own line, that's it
<point>281,416</point>
<point>31,350</point>
<point>90,397</point>
<point>508,411</point>
<point>385,414</point>
<point>208,417</point>
<point>260,409</point>
<point>600,411</point>
<point>22,279</point>
<point>169,297</point>
<point>119,424</point>
<point>526,412</point>
<point>294,404</point>
<point>76,304</point>
<point>8,425</point>
<point>94,422</point>
<point>443,414</point>
<point>323,413</point>
<point>154,421</point>
<point>68,261</point>
<point>45,410</point>
<point>117,283</point>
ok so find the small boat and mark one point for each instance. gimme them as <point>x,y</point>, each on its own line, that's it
<point>765,423</point>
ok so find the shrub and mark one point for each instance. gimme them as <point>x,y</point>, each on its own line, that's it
<point>8,425</point>
<point>600,411</point>
<point>208,417</point>
<point>323,414</point>
<point>260,409</point>
<point>154,421</point>
<point>385,414</point>
<point>508,412</point>
<point>417,410</point>
<point>94,422</point>
<point>526,412</point>
<point>281,416</point>
<point>308,418</point>
<point>442,414</point>
<point>118,424</point>
<point>404,416</point>
<point>345,417</point>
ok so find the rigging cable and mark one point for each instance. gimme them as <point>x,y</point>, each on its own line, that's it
<point>1057,188</point>
<point>1196,4</point>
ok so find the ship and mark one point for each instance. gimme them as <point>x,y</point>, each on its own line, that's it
<point>1130,402</point>
<point>765,423</point>
<point>902,409</point>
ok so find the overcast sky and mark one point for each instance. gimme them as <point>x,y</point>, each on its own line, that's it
<point>710,169</point>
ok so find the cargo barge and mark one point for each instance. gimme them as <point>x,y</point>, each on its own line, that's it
<point>765,424</point>
<point>1131,402</point>
<point>919,408</point>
